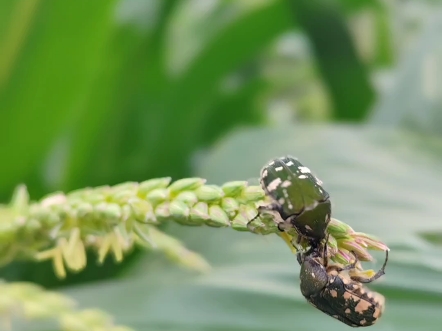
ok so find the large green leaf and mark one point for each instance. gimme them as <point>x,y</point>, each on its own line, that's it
<point>49,53</point>
<point>379,182</point>
<point>343,72</point>
<point>155,103</point>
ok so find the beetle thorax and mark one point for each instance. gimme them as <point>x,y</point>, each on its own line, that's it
<point>313,277</point>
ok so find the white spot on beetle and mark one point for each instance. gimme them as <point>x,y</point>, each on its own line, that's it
<point>274,184</point>
<point>308,227</point>
<point>271,163</point>
<point>286,183</point>
<point>264,173</point>
<point>281,201</point>
<point>290,163</point>
<point>304,170</point>
<point>279,168</point>
<point>290,206</point>
<point>302,176</point>
<point>313,275</point>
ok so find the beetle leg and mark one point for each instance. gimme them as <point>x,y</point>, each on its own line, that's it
<point>297,243</point>
<point>301,254</point>
<point>347,267</point>
<point>298,247</point>
<point>282,226</point>
<point>249,223</point>
<point>262,209</point>
<point>324,253</point>
<point>350,266</point>
<point>299,258</point>
<point>380,273</point>
<point>340,269</point>
<point>272,207</point>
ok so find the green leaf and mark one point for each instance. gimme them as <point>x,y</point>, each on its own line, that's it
<point>139,98</point>
<point>50,50</point>
<point>343,73</point>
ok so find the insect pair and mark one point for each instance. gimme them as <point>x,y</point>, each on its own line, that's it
<point>301,203</point>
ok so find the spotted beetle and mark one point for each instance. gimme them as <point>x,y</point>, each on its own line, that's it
<point>339,295</point>
<point>298,198</point>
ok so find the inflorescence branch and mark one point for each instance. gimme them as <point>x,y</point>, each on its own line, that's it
<point>112,219</point>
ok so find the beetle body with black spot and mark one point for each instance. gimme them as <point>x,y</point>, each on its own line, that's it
<point>336,294</point>
<point>298,197</point>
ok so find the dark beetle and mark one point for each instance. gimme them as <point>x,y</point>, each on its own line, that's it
<point>298,198</point>
<point>337,294</point>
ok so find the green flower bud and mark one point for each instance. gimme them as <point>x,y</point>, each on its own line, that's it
<point>234,189</point>
<point>186,184</point>
<point>152,184</point>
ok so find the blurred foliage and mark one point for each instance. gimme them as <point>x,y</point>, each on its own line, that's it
<point>343,73</point>
<point>34,303</point>
<point>100,93</point>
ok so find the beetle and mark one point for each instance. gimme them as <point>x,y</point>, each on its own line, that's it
<point>339,295</point>
<point>298,198</point>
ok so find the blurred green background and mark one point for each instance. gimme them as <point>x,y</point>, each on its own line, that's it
<point>102,92</point>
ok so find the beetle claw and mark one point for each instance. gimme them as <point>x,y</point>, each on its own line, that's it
<point>377,275</point>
